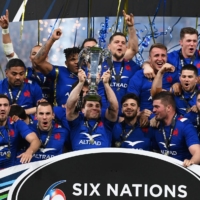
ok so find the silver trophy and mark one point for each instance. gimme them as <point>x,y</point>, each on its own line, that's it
<point>93,58</point>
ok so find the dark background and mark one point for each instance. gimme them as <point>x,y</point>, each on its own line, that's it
<point>47,9</point>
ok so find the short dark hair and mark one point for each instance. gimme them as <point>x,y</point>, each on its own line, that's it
<point>88,40</point>
<point>130,96</point>
<point>191,68</point>
<point>166,97</point>
<point>45,103</point>
<point>14,63</point>
<point>116,34</point>
<point>86,84</point>
<point>71,51</point>
<point>188,30</point>
<point>18,111</point>
<point>84,102</point>
<point>157,45</point>
<point>3,96</point>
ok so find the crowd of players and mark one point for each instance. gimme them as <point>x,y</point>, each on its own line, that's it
<point>154,107</point>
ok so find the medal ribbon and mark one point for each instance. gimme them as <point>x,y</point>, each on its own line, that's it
<point>168,140</point>
<point>125,135</point>
<point>188,99</point>
<point>9,141</point>
<point>18,94</point>
<point>47,138</point>
<point>91,129</point>
<point>182,60</point>
<point>118,77</point>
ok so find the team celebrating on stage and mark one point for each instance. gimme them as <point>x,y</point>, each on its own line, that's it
<point>45,110</point>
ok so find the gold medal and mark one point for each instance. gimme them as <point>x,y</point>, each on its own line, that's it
<point>117,144</point>
<point>91,141</point>
<point>8,155</point>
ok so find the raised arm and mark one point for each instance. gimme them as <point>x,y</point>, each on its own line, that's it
<point>71,114</point>
<point>132,48</point>
<point>40,58</point>
<point>112,110</point>
<point>7,42</point>
<point>157,82</point>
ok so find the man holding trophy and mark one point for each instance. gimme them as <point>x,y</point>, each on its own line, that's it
<point>89,129</point>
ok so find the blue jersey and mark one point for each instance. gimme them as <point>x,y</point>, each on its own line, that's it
<point>16,131</point>
<point>192,116</point>
<point>186,100</point>
<point>60,116</point>
<point>64,80</point>
<point>30,94</point>
<point>141,86</point>
<point>80,134</point>
<point>184,135</point>
<point>56,143</point>
<point>174,59</point>
<point>138,138</point>
<point>45,83</point>
<point>120,89</point>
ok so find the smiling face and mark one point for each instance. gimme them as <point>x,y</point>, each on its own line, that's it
<point>160,110</point>
<point>92,110</point>
<point>189,45</point>
<point>44,116</point>
<point>130,109</point>
<point>157,58</point>
<point>188,80</point>
<point>118,47</point>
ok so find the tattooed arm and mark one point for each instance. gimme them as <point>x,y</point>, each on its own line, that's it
<point>40,59</point>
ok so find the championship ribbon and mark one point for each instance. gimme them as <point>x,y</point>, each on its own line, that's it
<point>38,32</point>
<point>118,8</point>
<point>125,32</point>
<point>150,23</point>
<point>23,14</point>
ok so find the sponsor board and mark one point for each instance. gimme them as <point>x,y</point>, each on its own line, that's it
<point>107,174</point>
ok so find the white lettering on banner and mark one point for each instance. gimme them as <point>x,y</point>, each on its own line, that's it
<point>137,186</point>
<point>111,189</point>
<point>152,192</point>
<point>97,143</point>
<point>78,190</point>
<point>90,189</point>
<point>114,84</point>
<point>126,190</point>
<point>182,189</point>
<point>168,190</point>
<point>173,153</point>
